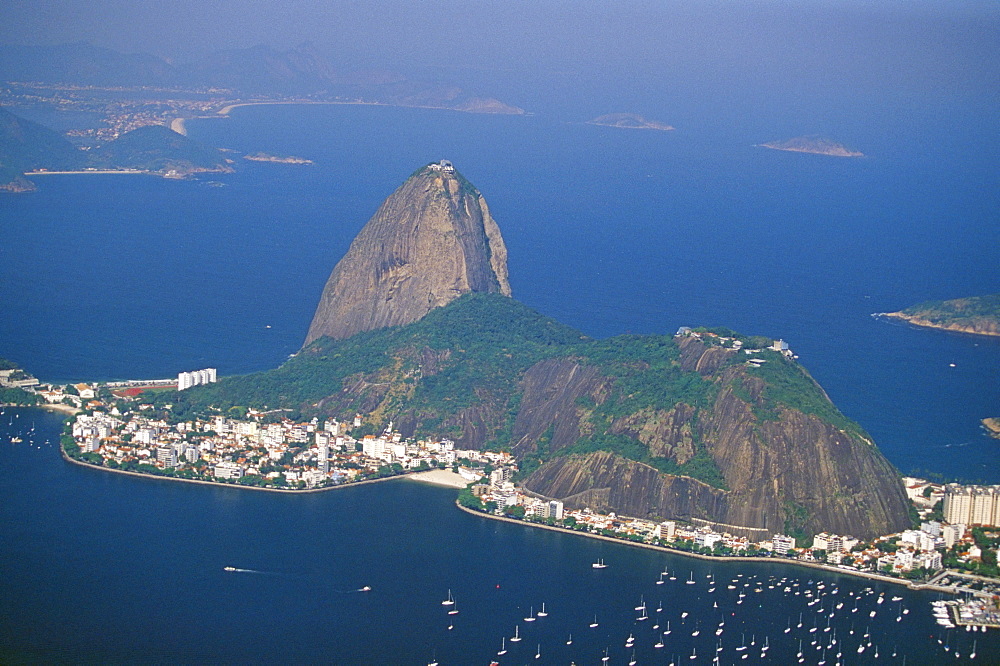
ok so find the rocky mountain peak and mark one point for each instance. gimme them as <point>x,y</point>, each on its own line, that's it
<point>430,242</point>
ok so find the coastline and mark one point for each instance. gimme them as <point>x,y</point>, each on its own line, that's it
<point>719,558</point>
<point>97,171</point>
<point>924,323</point>
<point>216,484</point>
<point>224,111</point>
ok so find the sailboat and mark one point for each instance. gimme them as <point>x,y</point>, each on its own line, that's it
<point>503,646</point>
<point>667,631</point>
<point>538,652</point>
<point>531,615</point>
<point>632,662</point>
<point>743,644</point>
<point>517,636</point>
<point>454,609</point>
<point>594,623</point>
<point>449,601</point>
<point>569,641</point>
<point>599,564</point>
<point>690,580</point>
<point>642,604</point>
<point>542,612</point>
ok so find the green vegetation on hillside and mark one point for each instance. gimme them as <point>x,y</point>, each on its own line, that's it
<point>156,148</point>
<point>789,384</point>
<point>958,310</point>
<point>469,358</point>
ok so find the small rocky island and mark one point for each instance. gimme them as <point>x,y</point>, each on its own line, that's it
<point>992,426</point>
<point>277,159</point>
<point>979,315</point>
<point>629,121</point>
<point>814,145</point>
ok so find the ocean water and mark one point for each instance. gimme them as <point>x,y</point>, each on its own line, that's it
<point>609,230</point>
<point>103,568</point>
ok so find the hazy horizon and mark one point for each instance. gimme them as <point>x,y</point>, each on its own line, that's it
<point>550,48</point>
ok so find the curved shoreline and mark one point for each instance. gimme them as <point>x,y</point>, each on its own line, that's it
<point>217,484</point>
<point>720,558</point>
<point>925,323</point>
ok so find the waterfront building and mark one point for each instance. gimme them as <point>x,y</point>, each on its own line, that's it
<point>666,530</point>
<point>555,510</point>
<point>782,543</point>
<point>227,470</point>
<point>166,456</point>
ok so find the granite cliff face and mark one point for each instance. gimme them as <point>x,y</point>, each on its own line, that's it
<point>430,242</point>
<point>781,469</point>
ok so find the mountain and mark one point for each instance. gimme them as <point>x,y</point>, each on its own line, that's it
<point>26,145</point>
<point>979,315</point>
<point>301,72</point>
<point>81,63</point>
<point>707,426</point>
<point>430,242</point>
<point>262,69</point>
<point>158,148</point>
<point>652,426</point>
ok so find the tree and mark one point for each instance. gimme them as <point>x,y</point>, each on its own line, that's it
<point>516,511</point>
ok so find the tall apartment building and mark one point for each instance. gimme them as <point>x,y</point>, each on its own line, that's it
<point>186,380</point>
<point>972,505</point>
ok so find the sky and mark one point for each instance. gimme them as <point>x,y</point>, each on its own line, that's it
<point>865,41</point>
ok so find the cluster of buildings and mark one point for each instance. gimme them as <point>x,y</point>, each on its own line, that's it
<point>17,378</point>
<point>779,346</point>
<point>896,554</point>
<point>266,452</point>
<point>971,505</point>
<point>186,380</point>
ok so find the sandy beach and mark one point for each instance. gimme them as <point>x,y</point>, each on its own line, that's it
<point>224,111</point>
<point>440,477</point>
<point>177,125</point>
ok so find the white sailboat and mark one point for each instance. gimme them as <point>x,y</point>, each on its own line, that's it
<point>599,564</point>
<point>517,636</point>
<point>594,623</point>
<point>542,612</point>
<point>503,646</point>
<point>449,601</point>
<point>531,615</point>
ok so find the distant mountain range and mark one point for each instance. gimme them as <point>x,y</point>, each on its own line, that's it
<point>259,70</point>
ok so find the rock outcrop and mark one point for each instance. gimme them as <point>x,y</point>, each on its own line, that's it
<point>978,315</point>
<point>430,242</point>
<point>783,470</point>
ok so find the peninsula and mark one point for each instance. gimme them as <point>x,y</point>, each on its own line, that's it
<point>416,326</point>
<point>814,145</point>
<point>629,121</point>
<point>978,315</point>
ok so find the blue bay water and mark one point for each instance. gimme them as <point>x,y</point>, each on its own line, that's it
<point>103,568</point>
<point>609,231</point>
